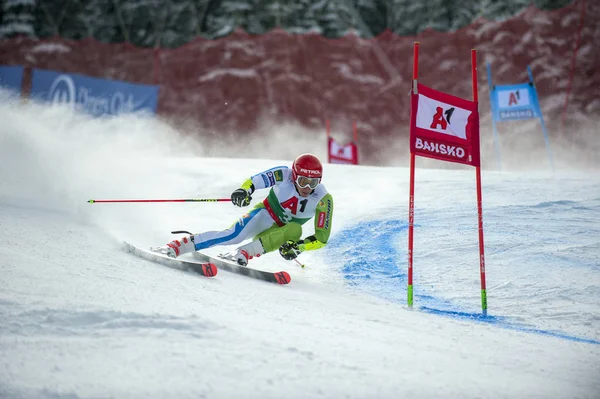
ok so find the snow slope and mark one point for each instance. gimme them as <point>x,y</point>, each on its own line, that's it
<point>80,318</point>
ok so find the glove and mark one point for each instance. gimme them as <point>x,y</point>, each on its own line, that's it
<point>291,249</point>
<point>241,197</point>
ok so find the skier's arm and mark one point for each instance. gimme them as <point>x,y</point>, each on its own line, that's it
<point>266,179</point>
<point>323,218</point>
<point>323,215</point>
<point>243,195</point>
<point>248,186</point>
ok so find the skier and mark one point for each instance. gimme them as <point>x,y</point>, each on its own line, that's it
<point>296,196</point>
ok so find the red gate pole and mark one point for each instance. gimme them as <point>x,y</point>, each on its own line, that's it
<point>479,196</point>
<point>411,198</point>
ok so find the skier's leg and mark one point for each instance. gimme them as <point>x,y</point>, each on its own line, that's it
<point>247,226</point>
<point>177,247</point>
<point>276,236</point>
<point>266,241</point>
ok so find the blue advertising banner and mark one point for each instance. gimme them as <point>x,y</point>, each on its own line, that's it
<point>515,102</point>
<point>94,96</point>
<point>11,77</point>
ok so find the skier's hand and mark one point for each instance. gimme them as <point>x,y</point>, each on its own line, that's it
<point>241,197</point>
<point>291,249</point>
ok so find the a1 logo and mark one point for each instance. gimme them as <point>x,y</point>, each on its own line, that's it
<point>292,205</point>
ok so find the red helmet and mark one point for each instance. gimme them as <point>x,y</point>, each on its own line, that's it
<point>309,166</point>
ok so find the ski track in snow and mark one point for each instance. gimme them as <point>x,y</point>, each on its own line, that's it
<point>80,318</point>
<point>375,263</point>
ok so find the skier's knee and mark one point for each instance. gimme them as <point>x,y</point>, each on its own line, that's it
<point>273,238</point>
<point>292,231</point>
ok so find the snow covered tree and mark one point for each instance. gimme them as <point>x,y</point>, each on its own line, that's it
<point>463,15</point>
<point>260,16</point>
<point>551,4</point>
<point>218,20</point>
<point>76,19</point>
<point>254,16</point>
<point>97,19</point>
<point>373,14</point>
<point>407,17</point>
<point>335,17</point>
<point>17,18</point>
<point>496,10</point>
<point>441,15</point>
<point>150,23</point>
<point>171,23</point>
<point>180,24</point>
<point>299,17</point>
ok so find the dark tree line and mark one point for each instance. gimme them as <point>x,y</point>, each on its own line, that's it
<point>171,23</point>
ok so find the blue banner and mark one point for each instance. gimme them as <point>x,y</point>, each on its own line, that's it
<point>11,77</point>
<point>514,102</point>
<point>94,96</point>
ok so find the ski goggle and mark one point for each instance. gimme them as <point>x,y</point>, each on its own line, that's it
<point>304,181</point>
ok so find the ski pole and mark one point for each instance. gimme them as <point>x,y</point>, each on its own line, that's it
<point>96,201</point>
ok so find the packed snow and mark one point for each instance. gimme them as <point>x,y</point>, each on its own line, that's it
<point>81,318</point>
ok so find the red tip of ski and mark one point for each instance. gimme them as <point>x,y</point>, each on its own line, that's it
<point>283,277</point>
<point>209,269</point>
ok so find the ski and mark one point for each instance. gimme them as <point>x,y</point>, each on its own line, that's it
<point>272,277</point>
<point>205,268</point>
